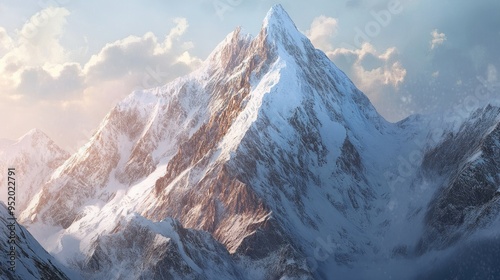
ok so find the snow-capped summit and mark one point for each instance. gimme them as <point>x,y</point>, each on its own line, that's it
<point>278,25</point>
<point>33,133</point>
<point>35,138</point>
<point>35,157</point>
<point>277,16</point>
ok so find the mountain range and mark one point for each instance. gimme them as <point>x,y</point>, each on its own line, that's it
<point>265,163</point>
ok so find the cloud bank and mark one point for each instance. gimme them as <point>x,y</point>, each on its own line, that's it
<point>38,76</point>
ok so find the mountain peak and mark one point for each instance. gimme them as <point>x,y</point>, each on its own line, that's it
<point>280,31</point>
<point>34,134</point>
<point>277,19</point>
<point>37,139</point>
<point>277,14</point>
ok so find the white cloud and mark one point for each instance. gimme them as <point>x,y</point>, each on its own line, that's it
<point>437,38</point>
<point>369,69</point>
<point>134,57</point>
<point>34,54</point>
<point>176,32</point>
<point>5,41</point>
<point>372,71</point>
<point>39,37</point>
<point>322,30</point>
<point>34,64</point>
<point>492,74</point>
<point>38,75</point>
<point>38,83</point>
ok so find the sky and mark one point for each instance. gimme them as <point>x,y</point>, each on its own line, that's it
<point>64,64</point>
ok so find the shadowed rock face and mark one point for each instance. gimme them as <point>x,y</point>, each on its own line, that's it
<point>224,200</point>
<point>470,196</point>
<point>32,261</point>
<point>167,250</point>
<point>164,250</point>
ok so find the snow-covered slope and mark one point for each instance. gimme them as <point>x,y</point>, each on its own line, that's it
<point>266,163</point>
<point>35,157</point>
<point>31,261</point>
<point>165,250</point>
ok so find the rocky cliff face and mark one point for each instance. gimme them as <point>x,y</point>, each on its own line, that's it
<point>31,260</point>
<point>163,250</point>
<point>468,161</point>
